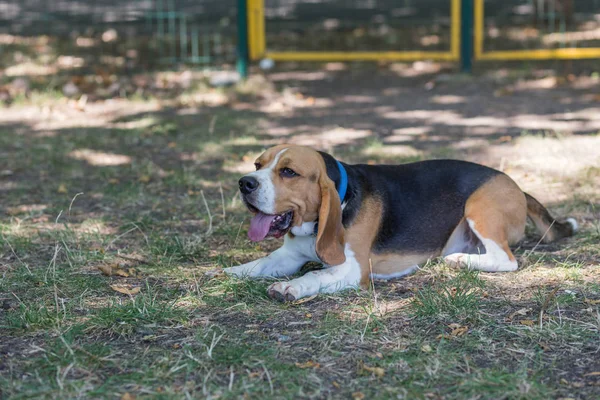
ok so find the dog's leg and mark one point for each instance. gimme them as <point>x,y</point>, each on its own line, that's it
<point>285,261</point>
<point>495,257</point>
<point>328,280</point>
<point>496,214</point>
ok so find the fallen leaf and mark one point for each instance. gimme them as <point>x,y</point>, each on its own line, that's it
<point>97,248</point>
<point>128,396</point>
<point>454,326</point>
<point>595,373</point>
<point>592,302</point>
<point>120,272</point>
<point>337,385</point>
<point>116,270</point>
<point>113,181</point>
<point>144,178</point>
<point>172,145</point>
<point>461,330</point>
<point>522,311</point>
<point>308,315</point>
<point>105,269</point>
<point>125,290</point>
<point>377,371</point>
<point>358,396</point>
<point>527,322</point>
<point>504,139</point>
<point>62,188</point>
<point>308,364</point>
<point>304,300</point>
<point>426,348</point>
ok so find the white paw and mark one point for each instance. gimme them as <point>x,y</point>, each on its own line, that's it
<point>283,291</point>
<point>456,260</point>
<point>241,271</point>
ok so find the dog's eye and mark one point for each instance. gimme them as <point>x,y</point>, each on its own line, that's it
<point>257,166</point>
<point>287,173</point>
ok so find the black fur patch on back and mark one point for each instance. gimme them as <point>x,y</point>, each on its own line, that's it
<point>423,202</point>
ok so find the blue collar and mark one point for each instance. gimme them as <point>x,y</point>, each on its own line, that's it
<point>343,181</point>
<point>341,189</point>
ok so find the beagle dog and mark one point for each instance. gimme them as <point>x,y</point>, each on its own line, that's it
<point>381,221</point>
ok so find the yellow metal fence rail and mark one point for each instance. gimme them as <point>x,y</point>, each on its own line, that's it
<point>534,54</point>
<point>258,48</point>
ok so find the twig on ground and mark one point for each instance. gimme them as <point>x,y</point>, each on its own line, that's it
<point>210,218</point>
<point>72,201</point>
<point>141,261</point>
<point>211,126</point>
<point>375,302</point>
<point>126,233</point>
<point>222,200</point>
<point>5,240</point>
<point>268,376</point>
<point>238,233</point>
<point>58,216</point>
<point>539,241</point>
<point>546,303</point>
<point>231,377</point>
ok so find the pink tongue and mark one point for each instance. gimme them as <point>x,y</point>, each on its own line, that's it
<point>259,226</point>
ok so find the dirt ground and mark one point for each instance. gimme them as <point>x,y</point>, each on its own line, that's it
<point>116,216</point>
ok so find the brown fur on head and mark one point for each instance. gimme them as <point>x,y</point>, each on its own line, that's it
<point>310,194</point>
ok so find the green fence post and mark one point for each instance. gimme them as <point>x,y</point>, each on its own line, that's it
<point>466,36</point>
<point>242,45</point>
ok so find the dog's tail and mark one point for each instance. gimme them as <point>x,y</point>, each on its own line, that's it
<point>550,228</point>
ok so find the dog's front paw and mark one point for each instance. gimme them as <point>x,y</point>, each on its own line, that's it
<point>283,291</point>
<point>240,271</point>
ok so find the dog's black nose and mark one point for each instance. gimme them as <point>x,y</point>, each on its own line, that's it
<point>248,184</point>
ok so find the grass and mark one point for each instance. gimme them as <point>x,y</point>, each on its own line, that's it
<point>458,297</point>
<point>166,216</point>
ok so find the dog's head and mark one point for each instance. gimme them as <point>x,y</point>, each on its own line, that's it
<point>289,187</point>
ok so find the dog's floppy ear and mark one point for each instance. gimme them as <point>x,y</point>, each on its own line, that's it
<point>330,236</point>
